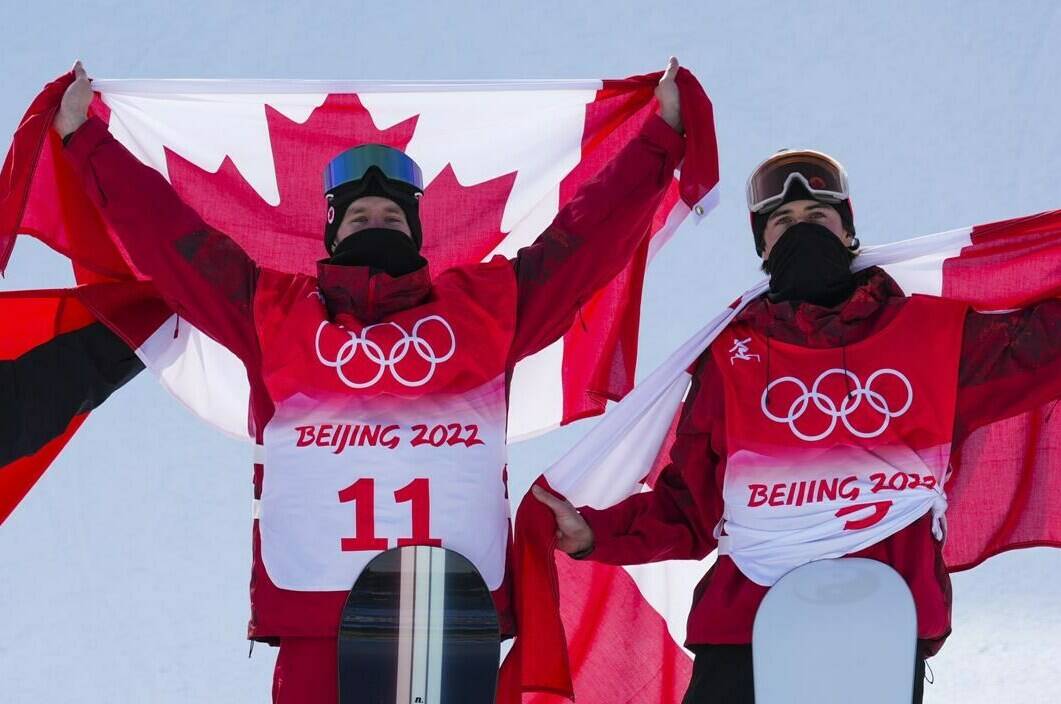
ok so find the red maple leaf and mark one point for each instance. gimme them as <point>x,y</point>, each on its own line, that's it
<point>461,224</point>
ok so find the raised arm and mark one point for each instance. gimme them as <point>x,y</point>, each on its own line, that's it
<point>201,273</point>
<point>599,230</point>
<point>675,520</point>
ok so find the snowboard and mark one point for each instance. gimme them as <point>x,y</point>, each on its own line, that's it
<point>840,630</point>
<point>419,627</point>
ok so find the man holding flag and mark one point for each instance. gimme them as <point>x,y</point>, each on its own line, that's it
<point>374,362</point>
<point>829,415</point>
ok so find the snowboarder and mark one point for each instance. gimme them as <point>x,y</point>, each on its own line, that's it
<point>819,424</point>
<point>378,388</point>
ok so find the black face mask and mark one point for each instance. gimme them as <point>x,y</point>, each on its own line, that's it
<point>390,251</point>
<point>809,263</point>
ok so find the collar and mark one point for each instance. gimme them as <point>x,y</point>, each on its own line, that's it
<point>875,300</point>
<point>367,294</point>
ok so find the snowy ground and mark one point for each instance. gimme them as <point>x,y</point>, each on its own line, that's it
<point>124,573</point>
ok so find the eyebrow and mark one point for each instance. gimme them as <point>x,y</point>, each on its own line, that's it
<point>788,211</point>
<point>387,209</point>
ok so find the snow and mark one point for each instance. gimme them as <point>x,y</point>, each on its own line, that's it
<point>124,574</point>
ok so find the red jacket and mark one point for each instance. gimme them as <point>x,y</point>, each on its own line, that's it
<point>676,519</point>
<point>208,280</point>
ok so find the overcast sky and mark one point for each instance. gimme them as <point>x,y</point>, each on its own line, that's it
<point>123,576</point>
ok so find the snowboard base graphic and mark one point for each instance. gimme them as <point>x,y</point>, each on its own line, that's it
<point>836,631</point>
<point>419,627</point>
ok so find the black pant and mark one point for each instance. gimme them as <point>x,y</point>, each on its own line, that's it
<point>723,674</point>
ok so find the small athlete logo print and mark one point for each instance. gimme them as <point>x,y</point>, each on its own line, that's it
<point>740,351</point>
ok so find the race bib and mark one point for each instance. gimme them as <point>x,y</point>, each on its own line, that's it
<point>341,485</point>
<point>831,450</point>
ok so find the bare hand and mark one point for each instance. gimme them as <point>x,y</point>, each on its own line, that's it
<point>73,110</point>
<point>668,97</point>
<point>573,534</point>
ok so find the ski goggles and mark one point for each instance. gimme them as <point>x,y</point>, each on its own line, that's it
<point>822,176</point>
<point>354,163</point>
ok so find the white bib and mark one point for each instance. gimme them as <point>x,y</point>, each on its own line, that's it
<point>340,485</point>
<point>833,449</point>
<point>779,517</point>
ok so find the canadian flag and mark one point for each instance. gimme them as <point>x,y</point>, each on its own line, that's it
<point>499,160</point>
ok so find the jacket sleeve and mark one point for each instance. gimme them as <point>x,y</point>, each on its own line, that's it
<point>676,519</point>
<point>593,237</point>
<point>45,388</point>
<point>1010,364</point>
<point>202,274</point>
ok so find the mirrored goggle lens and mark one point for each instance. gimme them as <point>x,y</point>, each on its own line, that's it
<point>352,165</point>
<point>822,178</point>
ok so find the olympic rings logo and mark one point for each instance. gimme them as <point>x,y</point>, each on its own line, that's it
<point>406,343</point>
<point>849,405</point>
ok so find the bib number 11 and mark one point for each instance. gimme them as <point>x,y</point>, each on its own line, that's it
<point>363,492</point>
